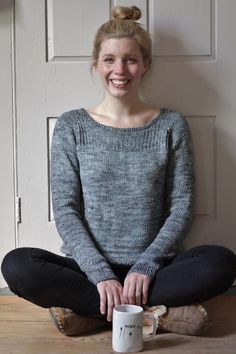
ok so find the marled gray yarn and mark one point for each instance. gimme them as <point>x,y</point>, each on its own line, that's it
<point>121,195</point>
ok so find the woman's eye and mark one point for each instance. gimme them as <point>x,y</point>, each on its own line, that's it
<point>108,60</point>
<point>131,60</point>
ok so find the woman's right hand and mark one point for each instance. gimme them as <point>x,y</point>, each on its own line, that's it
<point>111,294</point>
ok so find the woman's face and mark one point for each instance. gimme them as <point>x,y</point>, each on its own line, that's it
<point>120,66</point>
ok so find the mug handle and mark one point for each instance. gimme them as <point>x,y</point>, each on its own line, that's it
<point>154,326</point>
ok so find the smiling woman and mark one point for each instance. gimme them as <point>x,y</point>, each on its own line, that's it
<point>121,56</point>
<point>120,66</point>
<point>122,177</point>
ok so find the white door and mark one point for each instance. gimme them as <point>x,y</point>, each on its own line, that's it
<point>53,46</point>
<point>193,72</point>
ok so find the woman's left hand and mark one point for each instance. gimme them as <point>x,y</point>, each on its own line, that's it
<point>135,290</point>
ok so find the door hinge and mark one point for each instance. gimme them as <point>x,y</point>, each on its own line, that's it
<point>18,209</point>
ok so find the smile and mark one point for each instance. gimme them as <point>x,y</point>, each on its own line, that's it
<point>120,83</point>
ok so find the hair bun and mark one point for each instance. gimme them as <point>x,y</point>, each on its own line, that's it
<point>126,13</point>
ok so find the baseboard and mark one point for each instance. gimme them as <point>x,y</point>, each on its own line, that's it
<point>6,291</point>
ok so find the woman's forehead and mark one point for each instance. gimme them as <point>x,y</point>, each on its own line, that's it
<point>116,45</point>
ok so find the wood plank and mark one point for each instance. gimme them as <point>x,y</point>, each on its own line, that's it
<point>27,329</point>
<point>162,344</point>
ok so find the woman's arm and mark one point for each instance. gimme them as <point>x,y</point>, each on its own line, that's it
<point>180,195</point>
<point>67,198</point>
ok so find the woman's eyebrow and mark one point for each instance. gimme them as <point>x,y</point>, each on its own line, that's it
<point>108,55</point>
<point>126,55</point>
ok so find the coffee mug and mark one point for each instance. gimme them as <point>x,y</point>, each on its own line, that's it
<point>127,328</point>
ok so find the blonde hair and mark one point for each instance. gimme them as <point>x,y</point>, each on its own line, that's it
<point>123,25</point>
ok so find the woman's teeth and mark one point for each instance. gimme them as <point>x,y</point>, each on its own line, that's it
<point>120,82</point>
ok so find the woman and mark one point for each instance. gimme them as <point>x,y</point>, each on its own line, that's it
<point>123,195</point>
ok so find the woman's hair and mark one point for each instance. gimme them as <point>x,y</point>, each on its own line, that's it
<point>122,25</point>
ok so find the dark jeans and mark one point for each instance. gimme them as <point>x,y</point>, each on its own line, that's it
<point>47,279</point>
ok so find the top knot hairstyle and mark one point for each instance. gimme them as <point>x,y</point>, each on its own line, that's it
<point>126,13</point>
<point>123,25</point>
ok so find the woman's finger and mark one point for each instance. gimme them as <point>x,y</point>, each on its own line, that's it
<point>110,305</point>
<point>139,292</point>
<point>131,293</point>
<point>122,300</point>
<point>125,292</point>
<point>146,283</point>
<point>103,300</point>
<point>117,297</point>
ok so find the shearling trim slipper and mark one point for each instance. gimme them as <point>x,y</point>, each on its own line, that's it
<point>71,324</point>
<point>188,320</point>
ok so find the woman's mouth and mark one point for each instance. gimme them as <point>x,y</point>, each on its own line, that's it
<point>119,83</point>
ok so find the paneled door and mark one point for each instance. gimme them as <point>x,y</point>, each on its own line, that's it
<point>193,72</point>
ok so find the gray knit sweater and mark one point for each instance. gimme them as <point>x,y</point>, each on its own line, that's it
<point>121,195</point>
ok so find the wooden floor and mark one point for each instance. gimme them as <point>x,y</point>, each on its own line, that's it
<point>27,329</point>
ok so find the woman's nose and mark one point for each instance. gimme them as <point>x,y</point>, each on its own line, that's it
<point>119,67</point>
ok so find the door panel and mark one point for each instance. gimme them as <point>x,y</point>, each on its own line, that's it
<point>70,34</point>
<point>182,27</point>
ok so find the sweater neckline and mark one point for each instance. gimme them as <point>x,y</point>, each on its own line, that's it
<point>111,128</point>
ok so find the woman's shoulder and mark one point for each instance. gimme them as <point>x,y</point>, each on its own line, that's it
<point>173,115</point>
<point>70,118</point>
<point>175,119</point>
<point>71,114</point>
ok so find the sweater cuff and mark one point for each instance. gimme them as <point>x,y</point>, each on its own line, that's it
<point>96,276</point>
<point>145,268</point>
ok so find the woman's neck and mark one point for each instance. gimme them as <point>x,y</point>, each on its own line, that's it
<point>121,114</point>
<point>123,109</point>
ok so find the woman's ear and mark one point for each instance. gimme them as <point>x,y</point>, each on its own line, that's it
<point>145,69</point>
<point>94,65</point>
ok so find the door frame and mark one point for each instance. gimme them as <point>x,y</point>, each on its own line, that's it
<point>8,175</point>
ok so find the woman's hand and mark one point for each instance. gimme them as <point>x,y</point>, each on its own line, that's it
<point>111,294</point>
<point>136,288</point>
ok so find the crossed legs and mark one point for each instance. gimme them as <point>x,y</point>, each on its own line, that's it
<point>48,280</point>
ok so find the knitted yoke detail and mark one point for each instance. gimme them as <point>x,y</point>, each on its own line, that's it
<point>121,195</point>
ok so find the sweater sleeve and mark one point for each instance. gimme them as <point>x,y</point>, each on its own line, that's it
<point>66,199</point>
<point>180,195</point>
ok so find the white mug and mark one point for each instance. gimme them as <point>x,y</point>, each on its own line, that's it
<point>127,328</point>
